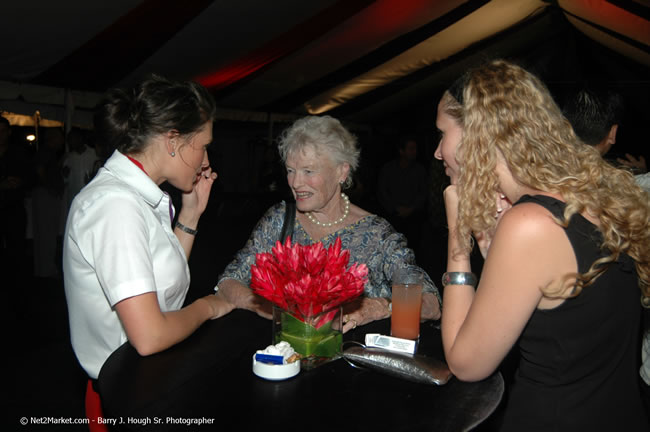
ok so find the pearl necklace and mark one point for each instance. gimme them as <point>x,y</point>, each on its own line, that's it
<point>346,211</point>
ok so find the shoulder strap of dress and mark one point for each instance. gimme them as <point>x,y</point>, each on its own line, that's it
<point>289,220</point>
<point>555,206</point>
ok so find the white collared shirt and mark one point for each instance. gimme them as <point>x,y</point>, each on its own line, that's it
<point>118,243</point>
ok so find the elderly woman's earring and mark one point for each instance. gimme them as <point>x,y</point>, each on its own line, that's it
<point>172,154</point>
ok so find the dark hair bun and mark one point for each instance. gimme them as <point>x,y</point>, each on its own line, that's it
<point>126,119</point>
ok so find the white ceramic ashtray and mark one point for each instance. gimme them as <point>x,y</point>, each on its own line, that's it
<point>276,362</point>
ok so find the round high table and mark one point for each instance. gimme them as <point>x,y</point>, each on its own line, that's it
<point>206,383</point>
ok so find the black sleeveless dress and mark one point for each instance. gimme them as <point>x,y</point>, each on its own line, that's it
<point>579,363</point>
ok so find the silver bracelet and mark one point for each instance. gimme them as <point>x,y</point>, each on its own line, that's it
<point>186,229</point>
<point>459,278</point>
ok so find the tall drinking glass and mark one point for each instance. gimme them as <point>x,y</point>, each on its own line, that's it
<point>407,303</point>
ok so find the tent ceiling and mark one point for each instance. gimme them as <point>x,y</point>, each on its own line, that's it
<point>364,60</point>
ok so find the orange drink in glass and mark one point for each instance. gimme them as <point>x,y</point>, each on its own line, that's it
<point>407,304</point>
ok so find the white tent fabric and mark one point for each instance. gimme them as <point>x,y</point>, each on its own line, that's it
<point>476,27</point>
<point>354,58</point>
<point>54,103</point>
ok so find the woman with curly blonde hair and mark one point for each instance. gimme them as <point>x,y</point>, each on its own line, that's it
<point>566,241</point>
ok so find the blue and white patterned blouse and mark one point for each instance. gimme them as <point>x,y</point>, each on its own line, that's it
<point>371,240</point>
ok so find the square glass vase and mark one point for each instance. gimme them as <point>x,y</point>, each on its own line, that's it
<point>318,338</point>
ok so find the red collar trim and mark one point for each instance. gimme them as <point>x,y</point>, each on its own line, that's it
<point>137,163</point>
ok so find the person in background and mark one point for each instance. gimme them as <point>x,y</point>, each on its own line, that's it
<point>78,164</point>
<point>563,264</point>
<point>595,115</point>
<point>47,204</point>
<point>14,181</point>
<point>638,164</point>
<point>402,191</point>
<point>320,156</point>
<point>103,149</point>
<point>644,181</point>
<point>125,266</point>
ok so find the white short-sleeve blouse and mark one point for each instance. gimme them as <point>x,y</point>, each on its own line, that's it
<point>118,243</point>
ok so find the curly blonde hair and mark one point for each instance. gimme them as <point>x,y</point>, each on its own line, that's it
<point>509,114</point>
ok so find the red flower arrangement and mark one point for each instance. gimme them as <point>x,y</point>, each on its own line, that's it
<point>308,280</point>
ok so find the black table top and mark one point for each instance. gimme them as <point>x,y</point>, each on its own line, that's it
<point>206,383</point>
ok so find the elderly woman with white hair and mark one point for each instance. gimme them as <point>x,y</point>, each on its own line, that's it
<point>320,156</point>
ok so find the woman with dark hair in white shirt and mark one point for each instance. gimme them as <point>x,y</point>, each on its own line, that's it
<point>125,266</point>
